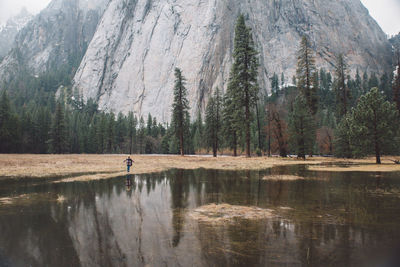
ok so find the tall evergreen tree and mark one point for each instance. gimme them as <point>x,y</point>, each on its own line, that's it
<point>301,127</point>
<point>149,126</point>
<point>396,82</point>
<point>59,131</point>
<point>275,84</point>
<point>141,135</point>
<point>229,126</point>
<point>180,110</point>
<point>110,132</point>
<point>373,81</point>
<point>278,129</point>
<point>342,92</point>
<point>342,141</point>
<point>120,132</point>
<point>365,85</point>
<point>243,86</point>
<point>385,86</point>
<point>199,132</point>
<point>131,131</point>
<point>357,88</point>
<point>374,124</point>
<point>305,74</point>
<point>5,117</point>
<point>213,121</point>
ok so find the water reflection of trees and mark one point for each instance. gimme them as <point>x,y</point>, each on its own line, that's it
<point>101,223</point>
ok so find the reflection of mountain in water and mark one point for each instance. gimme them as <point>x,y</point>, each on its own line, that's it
<point>103,224</point>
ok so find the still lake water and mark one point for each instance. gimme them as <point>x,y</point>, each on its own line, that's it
<point>332,219</point>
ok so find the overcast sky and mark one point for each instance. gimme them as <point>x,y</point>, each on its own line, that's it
<point>385,12</point>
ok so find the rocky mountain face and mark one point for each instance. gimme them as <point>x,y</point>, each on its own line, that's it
<point>10,30</point>
<point>130,62</point>
<point>131,47</point>
<point>54,39</point>
<point>395,42</point>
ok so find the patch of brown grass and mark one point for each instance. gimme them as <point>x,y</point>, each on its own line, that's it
<point>358,165</point>
<point>282,178</point>
<point>225,213</point>
<point>93,167</point>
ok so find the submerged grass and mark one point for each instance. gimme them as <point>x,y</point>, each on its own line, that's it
<point>282,178</point>
<point>223,213</point>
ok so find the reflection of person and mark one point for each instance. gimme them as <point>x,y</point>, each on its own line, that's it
<point>129,162</point>
<point>128,183</point>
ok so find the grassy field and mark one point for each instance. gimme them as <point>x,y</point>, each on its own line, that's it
<point>92,167</point>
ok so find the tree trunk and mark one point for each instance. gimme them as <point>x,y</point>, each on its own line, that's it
<point>377,151</point>
<point>234,145</point>
<point>214,151</point>
<point>181,142</point>
<point>259,130</point>
<point>247,126</point>
<point>377,147</point>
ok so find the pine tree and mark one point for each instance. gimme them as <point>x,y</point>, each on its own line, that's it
<point>373,81</point>
<point>110,133</point>
<point>305,74</point>
<point>59,131</point>
<point>301,127</point>
<point>120,132</point>
<point>5,117</point>
<point>278,129</point>
<point>342,141</point>
<point>141,135</point>
<point>180,110</point>
<point>374,124</point>
<point>243,87</point>
<point>199,132</point>
<point>213,121</point>
<point>342,93</point>
<point>396,83</point>
<point>131,131</point>
<point>155,129</point>
<point>274,84</point>
<point>229,125</point>
<point>149,128</point>
<point>385,86</point>
<point>101,127</point>
<point>365,86</point>
<point>357,92</point>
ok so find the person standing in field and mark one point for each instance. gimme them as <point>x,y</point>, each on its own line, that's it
<point>129,162</point>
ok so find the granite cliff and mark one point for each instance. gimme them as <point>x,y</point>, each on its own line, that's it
<point>130,61</point>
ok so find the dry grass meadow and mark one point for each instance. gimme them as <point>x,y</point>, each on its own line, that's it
<point>94,167</point>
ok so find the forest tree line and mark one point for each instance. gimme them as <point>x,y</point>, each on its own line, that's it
<point>318,112</point>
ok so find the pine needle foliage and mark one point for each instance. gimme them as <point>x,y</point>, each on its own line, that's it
<point>301,127</point>
<point>243,87</point>
<point>342,92</point>
<point>213,121</point>
<point>180,110</point>
<point>305,74</point>
<point>374,124</point>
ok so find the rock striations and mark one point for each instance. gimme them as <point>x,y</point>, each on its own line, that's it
<point>55,38</point>
<point>130,61</point>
